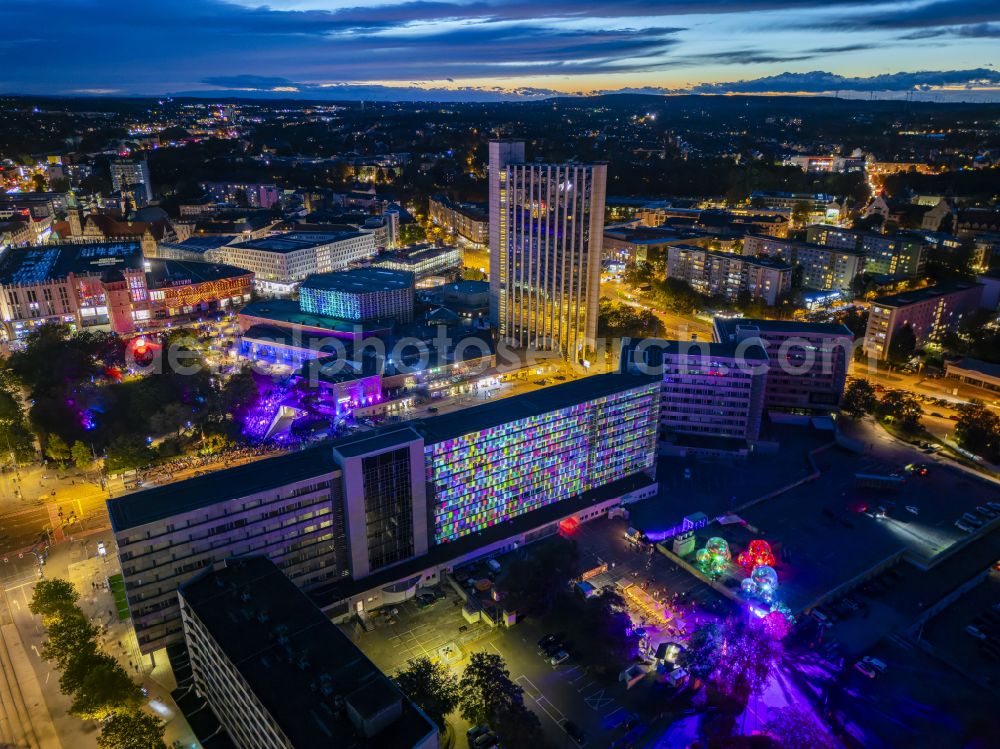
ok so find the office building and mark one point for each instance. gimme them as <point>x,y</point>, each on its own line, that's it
<point>711,394</point>
<point>468,220</point>
<point>280,261</point>
<point>807,362</point>
<point>110,286</point>
<point>426,262</point>
<point>361,521</point>
<point>243,194</point>
<point>359,294</point>
<point>930,312</point>
<point>729,275</point>
<point>546,230</point>
<point>823,268</point>
<point>278,674</point>
<point>127,174</point>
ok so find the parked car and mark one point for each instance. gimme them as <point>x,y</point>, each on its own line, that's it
<point>975,632</point>
<point>558,658</point>
<point>962,526</point>
<point>986,512</point>
<point>851,604</point>
<point>971,519</point>
<point>575,732</point>
<point>865,669</point>
<point>875,663</point>
<point>547,640</point>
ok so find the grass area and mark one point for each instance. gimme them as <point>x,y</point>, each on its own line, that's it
<point>117,584</point>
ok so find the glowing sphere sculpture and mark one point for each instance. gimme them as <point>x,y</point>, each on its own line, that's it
<point>715,557</point>
<point>718,547</point>
<point>766,580</point>
<point>748,587</point>
<point>757,553</point>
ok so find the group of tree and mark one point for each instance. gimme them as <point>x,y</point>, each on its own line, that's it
<point>898,407</point>
<point>736,659</point>
<point>16,441</point>
<point>978,430</point>
<point>532,580</point>
<point>100,688</point>
<point>617,320</point>
<point>82,406</point>
<point>485,694</point>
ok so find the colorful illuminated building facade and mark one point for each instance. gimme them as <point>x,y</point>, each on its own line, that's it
<point>358,523</point>
<point>359,294</point>
<point>488,476</point>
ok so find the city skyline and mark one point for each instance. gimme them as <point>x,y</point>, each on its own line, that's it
<point>504,49</point>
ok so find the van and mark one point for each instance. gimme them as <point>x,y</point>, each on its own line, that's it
<point>493,564</point>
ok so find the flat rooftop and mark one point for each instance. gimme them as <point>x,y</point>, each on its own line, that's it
<point>34,265</point>
<point>285,312</point>
<point>544,400</point>
<point>161,502</point>
<point>916,296</point>
<point>726,328</point>
<point>654,349</point>
<point>360,280</point>
<point>297,663</point>
<point>294,241</point>
<point>166,273</point>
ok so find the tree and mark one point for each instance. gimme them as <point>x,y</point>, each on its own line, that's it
<point>800,213</point>
<point>486,692</point>
<point>749,658</point>
<point>548,567</point>
<point>704,651</point>
<point>127,453</point>
<point>131,729</point>
<point>239,392</point>
<point>82,456</point>
<point>859,398</point>
<point>53,597</point>
<point>56,449</point>
<point>978,430</point>
<point>104,689</point>
<point>605,617</point>
<point>902,345</point>
<point>794,728</point>
<point>431,686</point>
<point>70,636</point>
<point>901,408</point>
<point>411,234</point>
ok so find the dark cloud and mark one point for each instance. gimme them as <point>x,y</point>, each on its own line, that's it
<point>247,81</point>
<point>939,13</point>
<point>821,82</point>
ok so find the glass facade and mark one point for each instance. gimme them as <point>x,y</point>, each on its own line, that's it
<point>490,476</point>
<point>388,507</point>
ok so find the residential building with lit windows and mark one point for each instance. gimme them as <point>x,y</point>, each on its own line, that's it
<point>278,674</point>
<point>128,173</point>
<point>711,394</point>
<point>900,254</point>
<point>251,194</point>
<point>360,522</point>
<point>359,294</point>
<point>546,233</point>
<point>729,275</point>
<point>468,220</point>
<point>930,312</point>
<point>823,268</point>
<point>807,361</point>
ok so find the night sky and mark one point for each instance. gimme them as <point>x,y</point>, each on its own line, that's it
<point>487,49</point>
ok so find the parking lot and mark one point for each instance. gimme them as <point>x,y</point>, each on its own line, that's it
<point>573,691</point>
<point>967,633</point>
